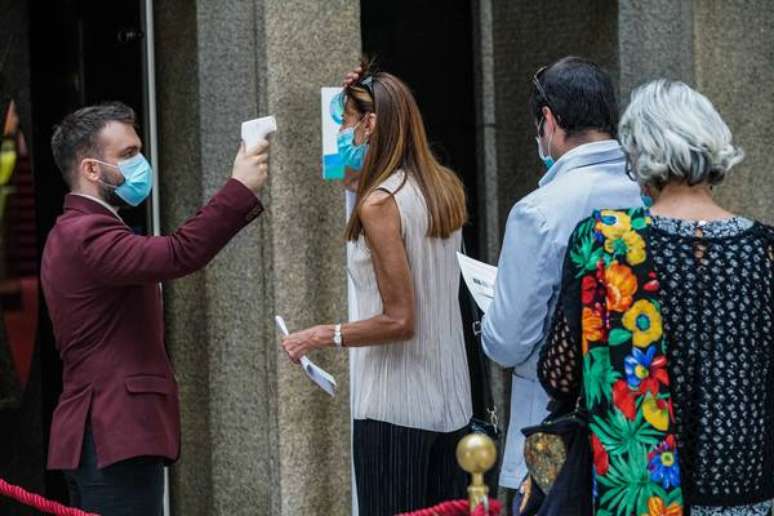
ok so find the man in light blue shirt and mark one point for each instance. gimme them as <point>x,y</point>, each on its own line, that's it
<point>575,112</point>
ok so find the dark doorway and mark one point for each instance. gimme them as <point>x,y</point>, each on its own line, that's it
<point>81,52</point>
<point>429,45</point>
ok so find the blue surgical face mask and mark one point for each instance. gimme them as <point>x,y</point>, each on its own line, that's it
<point>138,179</point>
<point>546,158</point>
<point>647,200</point>
<point>351,153</point>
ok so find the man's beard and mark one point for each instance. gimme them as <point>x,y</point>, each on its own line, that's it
<point>108,193</point>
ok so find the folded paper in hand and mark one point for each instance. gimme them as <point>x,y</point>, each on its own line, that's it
<point>480,279</point>
<point>315,373</point>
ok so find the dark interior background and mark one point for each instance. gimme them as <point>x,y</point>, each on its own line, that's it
<point>80,52</point>
<point>429,45</point>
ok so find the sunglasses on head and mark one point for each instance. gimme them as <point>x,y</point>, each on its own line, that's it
<point>539,87</point>
<point>368,83</point>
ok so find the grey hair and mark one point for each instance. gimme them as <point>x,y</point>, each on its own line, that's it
<point>671,132</point>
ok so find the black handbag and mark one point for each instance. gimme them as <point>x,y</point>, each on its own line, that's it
<point>484,419</point>
<point>488,423</point>
<point>559,462</point>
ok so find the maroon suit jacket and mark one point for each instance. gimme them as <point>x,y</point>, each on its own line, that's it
<point>101,283</point>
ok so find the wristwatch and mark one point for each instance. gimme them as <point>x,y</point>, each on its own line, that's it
<point>337,335</point>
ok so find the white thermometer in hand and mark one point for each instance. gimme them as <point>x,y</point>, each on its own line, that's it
<point>256,130</point>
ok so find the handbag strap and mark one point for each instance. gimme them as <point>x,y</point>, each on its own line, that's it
<point>483,360</point>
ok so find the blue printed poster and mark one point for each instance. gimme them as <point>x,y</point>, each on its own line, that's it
<point>332,104</point>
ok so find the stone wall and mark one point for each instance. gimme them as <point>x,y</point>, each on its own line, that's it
<point>258,438</point>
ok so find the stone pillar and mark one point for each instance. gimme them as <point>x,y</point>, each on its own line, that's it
<point>527,35</point>
<point>655,39</point>
<point>486,129</point>
<point>734,52</point>
<point>258,438</point>
<point>725,50</point>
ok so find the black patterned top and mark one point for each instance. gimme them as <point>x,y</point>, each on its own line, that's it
<point>717,302</point>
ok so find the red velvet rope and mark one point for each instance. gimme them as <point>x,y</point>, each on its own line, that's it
<point>38,502</point>
<point>450,508</point>
<point>458,508</point>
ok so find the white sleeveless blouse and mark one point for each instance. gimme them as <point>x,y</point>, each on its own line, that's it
<point>423,382</point>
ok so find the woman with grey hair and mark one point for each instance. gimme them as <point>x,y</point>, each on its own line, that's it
<point>663,334</point>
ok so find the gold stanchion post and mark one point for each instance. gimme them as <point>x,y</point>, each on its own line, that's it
<point>476,454</point>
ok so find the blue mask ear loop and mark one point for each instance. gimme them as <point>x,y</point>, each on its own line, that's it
<point>545,158</point>
<point>100,181</point>
<point>354,128</point>
<point>646,196</point>
<point>551,139</point>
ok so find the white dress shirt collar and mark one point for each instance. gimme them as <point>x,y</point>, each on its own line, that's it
<point>582,156</point>
<point>112,209</point>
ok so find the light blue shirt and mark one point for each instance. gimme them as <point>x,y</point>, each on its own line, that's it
<point>588,177</point>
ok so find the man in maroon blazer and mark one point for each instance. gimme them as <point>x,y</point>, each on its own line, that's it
<point>117,420</point>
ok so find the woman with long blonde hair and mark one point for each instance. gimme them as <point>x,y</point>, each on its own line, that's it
<point>411,384</point>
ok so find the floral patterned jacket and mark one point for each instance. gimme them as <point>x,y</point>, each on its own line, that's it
<point>610,297</point>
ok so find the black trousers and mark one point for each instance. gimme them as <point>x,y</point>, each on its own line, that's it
<point>399,469</point>
<point>133,487</point>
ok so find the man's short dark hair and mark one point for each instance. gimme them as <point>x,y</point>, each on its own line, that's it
<point>76,137</point>
<point>579,93</point>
